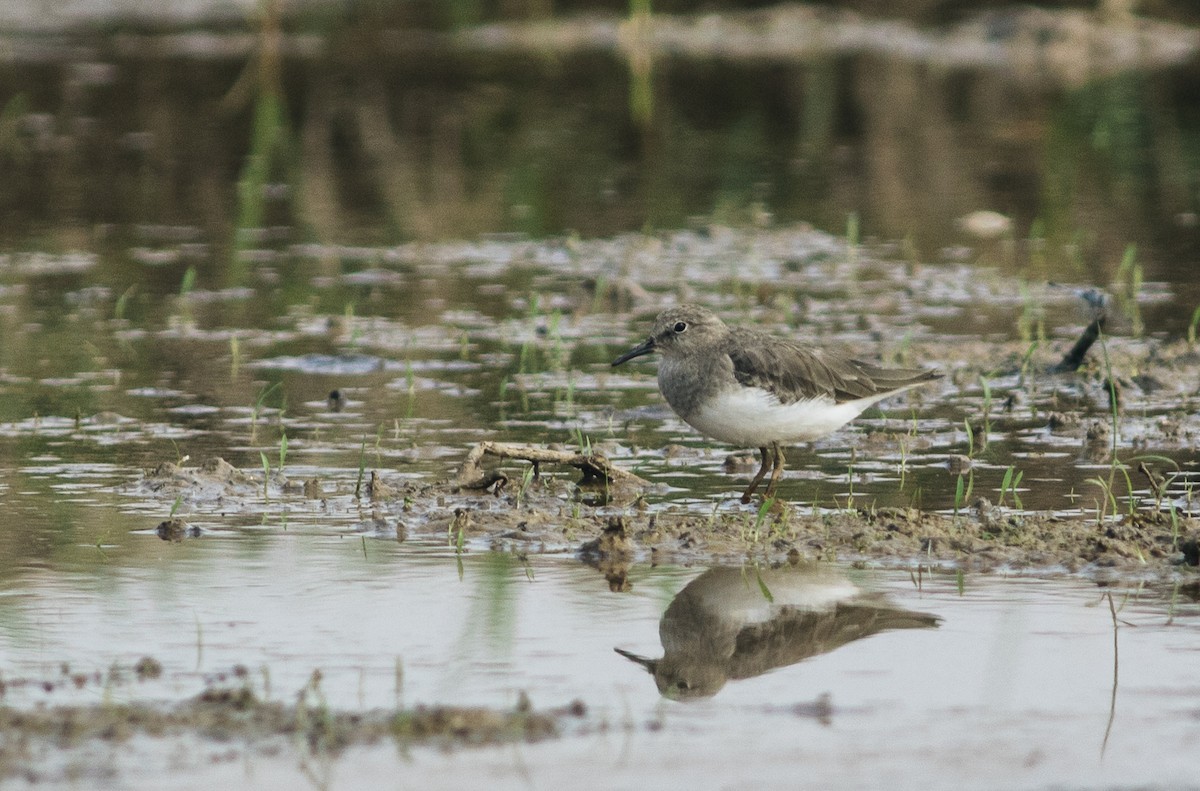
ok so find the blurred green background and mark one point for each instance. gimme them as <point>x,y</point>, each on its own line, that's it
<point>250,124</point>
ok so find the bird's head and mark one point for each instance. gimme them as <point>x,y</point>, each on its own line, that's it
<point>677,330</point>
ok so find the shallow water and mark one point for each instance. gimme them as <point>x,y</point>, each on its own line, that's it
<point>500,340</point>
<point>1015,683</point>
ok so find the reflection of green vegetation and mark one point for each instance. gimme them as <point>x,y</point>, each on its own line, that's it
<point>491,623</point>
<point>391,142</point>
<point>269,136</point>
<point>14,109</point>
<point>72,356</point>
<point>640,62</point>
<point>1101,141</point>
<point>819,110</point>
<point>267,147</point>
<point>45,529</point>
<point>461,13</point>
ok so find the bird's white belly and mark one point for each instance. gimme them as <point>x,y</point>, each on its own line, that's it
<point>750,417</point>
<point>736,598</point>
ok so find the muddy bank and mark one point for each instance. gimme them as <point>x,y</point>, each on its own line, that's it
<point>1062,435</point>
<point>236,723</point>
<point>616,523</point>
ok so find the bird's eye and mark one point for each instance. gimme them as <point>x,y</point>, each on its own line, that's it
<point>680,326</point>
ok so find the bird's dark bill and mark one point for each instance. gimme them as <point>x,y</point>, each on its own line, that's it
<point>637,351</point>
<point>649,664</point>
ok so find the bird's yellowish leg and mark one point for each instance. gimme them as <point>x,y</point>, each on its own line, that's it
<point>762,470</point>
<point>776,471</point>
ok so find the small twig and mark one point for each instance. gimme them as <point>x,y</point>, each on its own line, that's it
<point>484,481</point>
<point>594,466</point>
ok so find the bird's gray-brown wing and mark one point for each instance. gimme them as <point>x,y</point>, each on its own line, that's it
<point>794,372</point>
<point>796,634</point>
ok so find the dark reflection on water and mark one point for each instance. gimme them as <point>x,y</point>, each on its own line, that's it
<point>358,135</point>
<point>736,623</point>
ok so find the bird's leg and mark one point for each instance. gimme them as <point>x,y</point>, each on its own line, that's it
<point>776,471</point>
<point>758,477</point>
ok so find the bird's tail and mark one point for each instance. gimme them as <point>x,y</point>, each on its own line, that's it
<point>896,379</point>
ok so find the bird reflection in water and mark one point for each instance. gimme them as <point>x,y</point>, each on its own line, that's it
<point>734,623</point>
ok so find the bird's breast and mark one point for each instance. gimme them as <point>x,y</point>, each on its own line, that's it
<point>687,383</point>
<point>752,417</point>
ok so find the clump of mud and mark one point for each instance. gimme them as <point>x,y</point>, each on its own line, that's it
<point>984,536</point>
<point>226,713</point>
<point>612,524</point>
<point>982,539</point>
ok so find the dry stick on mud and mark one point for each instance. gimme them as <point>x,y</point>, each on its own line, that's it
<point>594,466</point>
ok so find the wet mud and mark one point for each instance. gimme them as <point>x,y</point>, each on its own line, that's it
<point>1062,435</point>
<point>234,716</point>
<point>611,524</point>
